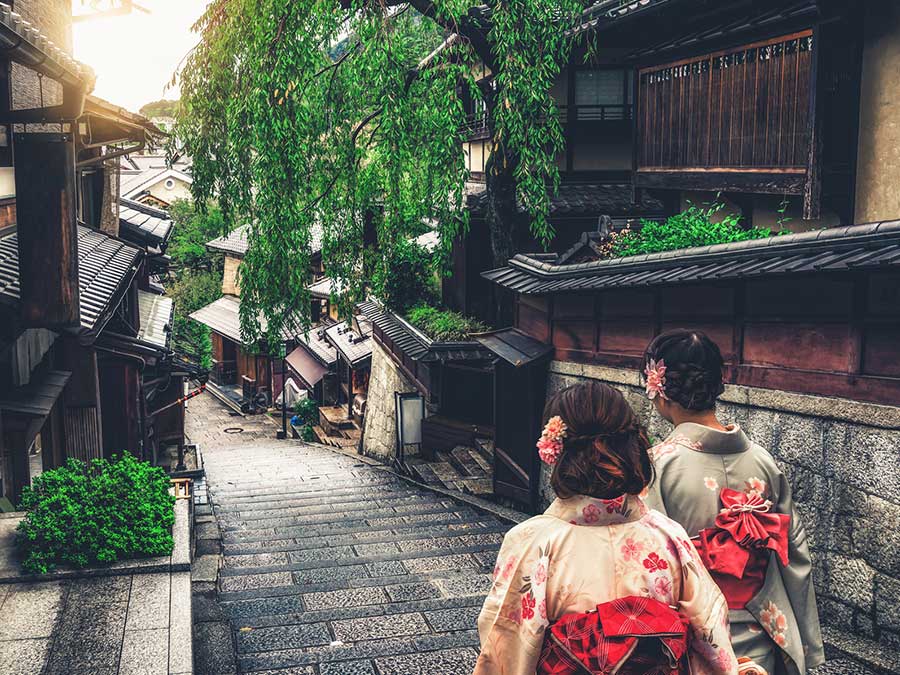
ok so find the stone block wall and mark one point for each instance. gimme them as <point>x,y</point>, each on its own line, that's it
<point>380,434</point>
<point>843,460</point>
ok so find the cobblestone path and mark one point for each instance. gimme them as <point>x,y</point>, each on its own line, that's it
<point>332,566</point>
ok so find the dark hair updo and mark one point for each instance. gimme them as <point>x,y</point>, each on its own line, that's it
<point>693,367</point>
<point>605,451</point>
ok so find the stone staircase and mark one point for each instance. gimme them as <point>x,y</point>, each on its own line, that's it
<point>464,469</point>
<point>336,429</point>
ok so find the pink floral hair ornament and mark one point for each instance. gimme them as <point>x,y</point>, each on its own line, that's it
<point>656,379</point>
<point>550,444</point>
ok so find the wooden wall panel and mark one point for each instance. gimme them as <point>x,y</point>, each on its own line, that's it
<point>625,337</point>
<point>880,351</point>
<point>804,346</point>
<point>745,107</point>
<point>534,321</point>
<point>696,301</point>
<point>721,332</point>
<point>574,334</point>
<point>793,299</point>
<point>626,303</point>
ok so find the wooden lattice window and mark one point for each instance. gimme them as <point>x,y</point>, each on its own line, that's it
<point>745,109</point>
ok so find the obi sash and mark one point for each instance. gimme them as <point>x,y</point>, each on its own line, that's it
<point>736,549</point>
<point>628,636</point>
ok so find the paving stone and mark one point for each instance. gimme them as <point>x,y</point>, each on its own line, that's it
<point>256,560</point>
<point>249,582</point>
<point>99,590</point>
<point>145,652</point>
<point>214,649</point>
<point>460,618</point>
<point>413,591</point>
<point>351,597</point>
<point>31,610</point>
<point>203,547</point>
<point>205,568</point>
<point>206,607</point>
<point>208,530</point>
<point>148,605</point>
<point>376,627</point>
<point>462,586</point>
<point>181,654</point>
<point>264,607</point>
<point>446,562</point>
<point>331,553</point>
<point>324,574</point>
<point>24,657</point>
<point>282,637</point>
<point>88,639</point>
<point>371,550</point>
<point>438,543</point>
<point>347,668</point>
<point>386,568</point>
<point>445,661</point>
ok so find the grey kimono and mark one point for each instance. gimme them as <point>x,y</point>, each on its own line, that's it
<point>779,626</point>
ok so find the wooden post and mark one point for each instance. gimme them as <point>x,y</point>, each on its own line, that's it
<point>48,241</point>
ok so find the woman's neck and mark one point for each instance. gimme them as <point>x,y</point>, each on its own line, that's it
<point>706,418</point>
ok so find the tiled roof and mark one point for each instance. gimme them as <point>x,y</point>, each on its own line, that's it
<point>146,224</point>
<point>870,246</point>
<point>25,44</point>
<point>414,344</point>
<point>354,346</point>
<point>575,199</point>
<point>324,287</point>
<point>235,242</point>
<point>103,108</point>
<point>104,265</point>
<point>38,396</point>
<point>223,316</point>
<point>133,183</point>
<point>315,342</point>
<point>156,318</point>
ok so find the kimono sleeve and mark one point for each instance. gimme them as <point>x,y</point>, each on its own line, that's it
<point>797,577</point>
<point>706,609</point>
<point>514,616</point>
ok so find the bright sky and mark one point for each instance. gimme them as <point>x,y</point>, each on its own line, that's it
<point>135,55</point>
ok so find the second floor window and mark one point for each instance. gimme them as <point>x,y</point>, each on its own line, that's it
<point>602,95</point>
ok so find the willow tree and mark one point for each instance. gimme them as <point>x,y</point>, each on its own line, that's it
<point>347,115</point>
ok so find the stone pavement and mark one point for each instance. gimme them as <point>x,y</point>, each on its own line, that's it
<point>331,566</point>
<point>97,626</point>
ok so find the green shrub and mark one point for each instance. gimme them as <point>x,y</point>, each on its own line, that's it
<point>307,410</point>
<point>692,227</point>
<point>443,325</point>
<point>406,279</point>
<point>109,511</point>
<point>308,434</point>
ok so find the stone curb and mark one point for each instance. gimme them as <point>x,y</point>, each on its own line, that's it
<point>178,561</point>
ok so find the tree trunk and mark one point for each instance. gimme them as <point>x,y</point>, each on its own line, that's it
<point>501,213</point>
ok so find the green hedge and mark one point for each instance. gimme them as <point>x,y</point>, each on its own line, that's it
<point>86,515</point>
<point>443,325</point>
<point>695,226</point>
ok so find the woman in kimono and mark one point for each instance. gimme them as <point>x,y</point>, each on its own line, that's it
<point>734,501</point>
<point>597,543</point>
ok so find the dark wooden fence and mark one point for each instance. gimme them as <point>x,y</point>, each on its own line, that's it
<point>742,109</point>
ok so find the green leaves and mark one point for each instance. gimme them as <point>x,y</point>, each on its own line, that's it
<point>695,226</point>
<point>80,515</point>
<point>302,114</point>
<point>443,325</point>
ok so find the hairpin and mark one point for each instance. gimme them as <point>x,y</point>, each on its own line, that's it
<point>656,379</point>
<point>550,445</point>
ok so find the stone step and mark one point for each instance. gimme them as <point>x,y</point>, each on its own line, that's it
<point>485,447</point>
<point>463,460</point>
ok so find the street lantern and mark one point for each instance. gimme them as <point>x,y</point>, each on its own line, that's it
<point>282,434</point>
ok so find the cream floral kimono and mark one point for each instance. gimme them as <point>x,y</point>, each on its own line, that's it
<point>693,465</point>
<point>582,552</point>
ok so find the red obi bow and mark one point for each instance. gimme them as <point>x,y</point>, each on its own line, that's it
<point>628,636</point>
<point>744,527</point>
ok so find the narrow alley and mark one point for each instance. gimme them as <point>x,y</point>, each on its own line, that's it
<point>330,562</point>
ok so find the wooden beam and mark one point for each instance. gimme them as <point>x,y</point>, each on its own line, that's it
<point>48,242</point>
<point>812,190</point>
<point>765,182</point>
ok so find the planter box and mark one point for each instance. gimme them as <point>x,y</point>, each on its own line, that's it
<point>178,561</point>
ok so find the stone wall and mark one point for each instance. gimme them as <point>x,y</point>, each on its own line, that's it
<point>842,460</point>
<point>380,433</point>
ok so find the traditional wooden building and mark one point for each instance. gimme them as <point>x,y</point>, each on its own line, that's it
<point>79,371</point>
